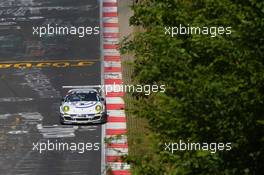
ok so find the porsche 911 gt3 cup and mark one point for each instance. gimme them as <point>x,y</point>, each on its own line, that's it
<point>82,106</point>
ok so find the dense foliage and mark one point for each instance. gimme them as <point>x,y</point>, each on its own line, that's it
<point>215,85</point>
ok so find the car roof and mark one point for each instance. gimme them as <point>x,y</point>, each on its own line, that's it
<point>82,91</point>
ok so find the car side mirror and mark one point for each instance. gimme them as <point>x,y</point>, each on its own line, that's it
<point>62,100</point>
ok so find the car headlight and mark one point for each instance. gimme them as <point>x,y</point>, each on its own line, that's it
<point>66,108</point>
<point>98,108</point>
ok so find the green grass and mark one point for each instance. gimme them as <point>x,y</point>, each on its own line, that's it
<point>137,127</point>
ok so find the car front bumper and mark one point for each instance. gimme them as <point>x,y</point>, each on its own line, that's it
<point>83,119</point>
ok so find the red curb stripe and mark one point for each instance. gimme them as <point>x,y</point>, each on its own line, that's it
<point>110,14</point>
<point>112,58</point>
<point>110,24</point>
<point>116,131</point>
<point>111,35</point>
<point>113,81</point>
<point>113,159</point>
<point>112,69</point>
<point>117,145</point>
<point>116,119</point>
<point>115,106</point>
<point>121,172</point>
<point>115,94</point>
<point>111,46</point>
<point>109,4</point>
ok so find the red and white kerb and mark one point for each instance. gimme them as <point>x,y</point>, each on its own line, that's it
<point>116,124</point>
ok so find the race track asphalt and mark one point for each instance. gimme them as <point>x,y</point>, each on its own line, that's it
<point>32,73</point>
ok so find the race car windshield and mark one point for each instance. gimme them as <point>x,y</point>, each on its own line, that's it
<point>82,97</point>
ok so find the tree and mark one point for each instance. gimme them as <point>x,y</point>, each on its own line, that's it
<point>215,85</point>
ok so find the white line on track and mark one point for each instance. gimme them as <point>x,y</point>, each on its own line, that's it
<point>15,99</point>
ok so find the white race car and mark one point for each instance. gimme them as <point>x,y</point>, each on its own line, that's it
<point>83,106</point>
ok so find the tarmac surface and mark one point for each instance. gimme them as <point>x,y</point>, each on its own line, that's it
<point>32,73</point>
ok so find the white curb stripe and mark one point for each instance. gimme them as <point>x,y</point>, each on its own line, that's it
<point>111,53</point>
<point>118,113</point>
<point>111,29</point>
<point>111,42</point>
<point>116,125</point>
<point>119,166</point>
<point>116,40</point>
<point>110,1</point>
<point>116,151</point>
<point>110,9</point>
<point>119,140</point>
<point>114,100</point>
<point>117,75</point>
<point>112,63</point>
<point>110,19</point>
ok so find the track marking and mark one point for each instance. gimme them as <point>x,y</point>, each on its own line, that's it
<point>40,83</point>
<point>46,64</point>
<point>15,99</point>
<point>56,131</point>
